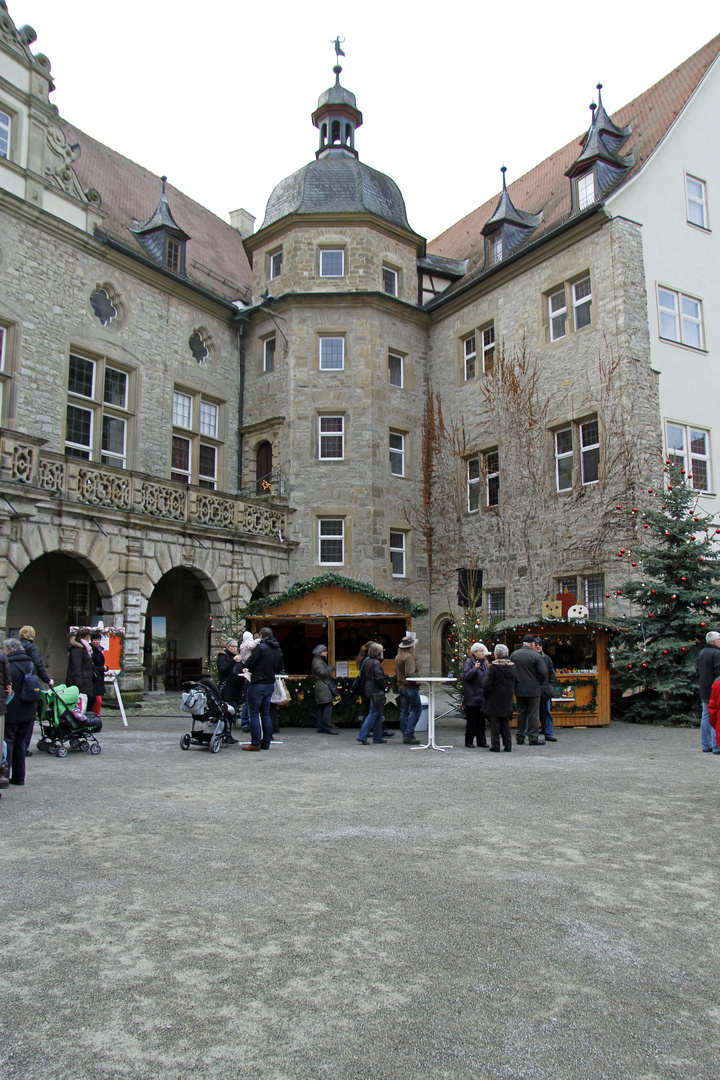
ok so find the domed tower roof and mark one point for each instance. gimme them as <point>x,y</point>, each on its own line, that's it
<point>337,182</point>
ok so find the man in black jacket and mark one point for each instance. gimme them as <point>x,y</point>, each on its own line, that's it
<point>532,676</point>
<point>264,663</point>
<point>546,694</point>
<point>708,671</point>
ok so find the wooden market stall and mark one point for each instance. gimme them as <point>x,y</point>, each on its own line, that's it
<point>338,611</point>
<point>579,651</point>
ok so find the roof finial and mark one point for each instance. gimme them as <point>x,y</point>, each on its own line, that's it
<point>164,180</point>
<point>593,107</point>
<point>338,53</point>
<point>503,170</point>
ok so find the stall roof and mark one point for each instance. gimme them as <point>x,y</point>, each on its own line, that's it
<point>330,584</point>
<point>539,623</point>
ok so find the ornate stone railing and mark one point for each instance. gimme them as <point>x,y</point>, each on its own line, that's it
<point>24,461</point>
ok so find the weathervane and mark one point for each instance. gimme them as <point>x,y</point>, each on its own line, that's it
<point>337,43</point>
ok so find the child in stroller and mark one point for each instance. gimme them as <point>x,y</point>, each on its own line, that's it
<point>211,716</point>
<point>62,722</point>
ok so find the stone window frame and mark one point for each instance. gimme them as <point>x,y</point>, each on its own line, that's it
<point>330,435</point>
<point>570,308</point>
<point>683,320</point>
<point>194,466</point>
<point>477,351</point>
<point>6,335</point>
<point>468,348</point>
<point>694,199</point>
<point>685,457</point>
<point>269,345</point>
<point>594,595</point>
<point>334,249</point>
<point>325,335</point>
<point>401,450</point>
<point>496,603</point>
<point>6,129</point>
<point>480,472</point>
<point>388,269</point>
<point>98,408</point>
<point>581,454</point>
<point>324,521</point>
<point>395,355</point>
<point>274,263</point>
<point>398,552</point>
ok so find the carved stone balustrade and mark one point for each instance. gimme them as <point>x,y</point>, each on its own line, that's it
<point>26,464</point>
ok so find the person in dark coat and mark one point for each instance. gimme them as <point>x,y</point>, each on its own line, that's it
<point>27,638</point>
<point>230,676</point>
<point>374,682</point>
<point>499,690</point>
<point>5,688</point>
<point>546,694</point>
<point>80,668</point>
<point>264,663</point>
<point>324,689</point>
<point>708,671</point>
<point>19,714</point>
<point>98,669</point>
<point>474,672</point>
<point>531,678</point>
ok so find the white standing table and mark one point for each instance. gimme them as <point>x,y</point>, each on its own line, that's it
<point>431,680</point>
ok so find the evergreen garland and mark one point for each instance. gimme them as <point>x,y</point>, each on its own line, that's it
<point>304,588</point>
<point>677,598</point>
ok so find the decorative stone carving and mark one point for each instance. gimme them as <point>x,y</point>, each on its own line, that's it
<point>198,347</point>
<point>23,460</point>
<point>104,489</point>
<point>59,170</point>
<point>51,475</point>
<point>213,511</point>
<point>263,521</point>
<point>103,306</point>
<point>161,501</point>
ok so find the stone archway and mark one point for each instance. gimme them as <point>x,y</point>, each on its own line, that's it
<point>56,591</point>
<point>178,629</point>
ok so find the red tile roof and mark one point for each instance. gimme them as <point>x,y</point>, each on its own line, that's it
<point>215,257</point>
<point>547,188</point>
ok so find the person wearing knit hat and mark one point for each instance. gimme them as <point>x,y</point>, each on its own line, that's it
<point>474,672</point>
<point>410,704</point>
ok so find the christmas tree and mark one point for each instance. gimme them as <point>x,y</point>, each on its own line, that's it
<point>465,630</point>
<point>674,604</point>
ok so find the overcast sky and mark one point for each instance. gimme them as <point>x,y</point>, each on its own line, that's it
<point>218,95</point>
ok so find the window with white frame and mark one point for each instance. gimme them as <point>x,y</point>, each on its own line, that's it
<point>557,306</point>
<point>196,439</point>
<point>496,603</point>
<point>395,367</point>
<point>3,375</point>
<point>473,484</point>
<point>488,347</point>
<point>495,249</point>
<point>332,262</point>
<point>331,541</point>
<point>397,553</point>
<point>582,303</point>
<point>97,415</point>
<point>590,451</point>
<point>585,190</point>
<point>689,448</point>
<point>331,438</point>
<point>595,596</point>
<point>269,354</point>
<point>332,353</point>
<point>390,281</point>
<point>470,357</point>
<point>680,318</point>
<point>696,195</point>
<point>397,453</point>
<point>5,125</point>
<point>564,459</point>
<point>275,260</point>
<point>492,478</point>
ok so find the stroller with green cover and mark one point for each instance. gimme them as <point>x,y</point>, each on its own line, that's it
<point>61,722</point>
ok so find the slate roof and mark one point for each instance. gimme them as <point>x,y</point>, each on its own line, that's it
<point>546,188</point>
<point>215,256</point>
<point>337,183</point>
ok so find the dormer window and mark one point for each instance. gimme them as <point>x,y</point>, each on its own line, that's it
<point>174,252</point>
<point>161,238</point>
<point>586,190</point>
<point>495,249</point>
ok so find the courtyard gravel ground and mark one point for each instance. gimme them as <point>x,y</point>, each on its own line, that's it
<point>330,910</point>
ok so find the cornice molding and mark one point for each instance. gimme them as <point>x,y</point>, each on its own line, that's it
<point>345,220</point>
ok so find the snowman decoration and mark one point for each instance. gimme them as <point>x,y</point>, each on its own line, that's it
<point>578,611</point>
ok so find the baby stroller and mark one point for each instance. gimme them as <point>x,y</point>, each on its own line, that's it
<point>211,716</point>
<point>61,724</point>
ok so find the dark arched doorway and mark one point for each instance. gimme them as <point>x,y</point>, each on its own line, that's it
<point>177,630</point>
<point>52,594</point>
<point>264,463</point>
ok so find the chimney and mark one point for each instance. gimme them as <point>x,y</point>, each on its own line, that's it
<point>243,222</point>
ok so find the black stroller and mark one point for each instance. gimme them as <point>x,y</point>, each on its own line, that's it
<point>60,724</point>
<point>211,716</point>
